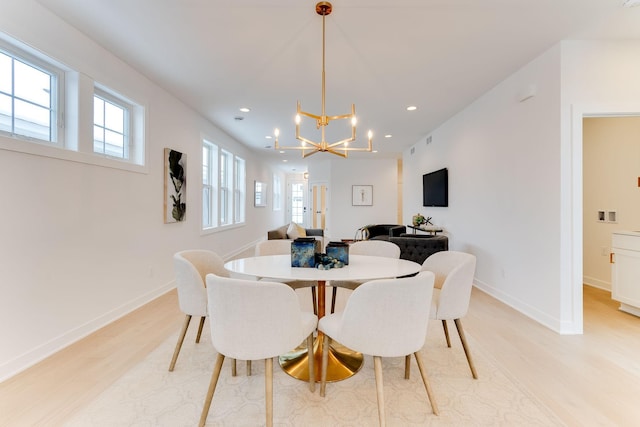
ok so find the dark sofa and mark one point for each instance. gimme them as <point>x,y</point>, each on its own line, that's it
<point>415,247</point>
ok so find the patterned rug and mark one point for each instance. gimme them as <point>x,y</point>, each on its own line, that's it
<point>149,395</point>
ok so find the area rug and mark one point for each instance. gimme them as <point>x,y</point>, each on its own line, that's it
<point>149,395</point>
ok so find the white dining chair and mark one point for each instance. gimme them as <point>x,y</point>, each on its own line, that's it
<point>253,320</point>
<point>383,318</point>
<point>283,247</point>
<point>191,268</point>
<point>380,248</point>
<point>454,272</point>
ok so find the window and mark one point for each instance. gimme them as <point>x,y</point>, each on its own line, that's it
<point>110,126</point>
<point>28,97</point>
<point>239,187</point>
<point>209,185</point>
<point>223,187</point>
<point>45,110</point>
<point>277,192</point>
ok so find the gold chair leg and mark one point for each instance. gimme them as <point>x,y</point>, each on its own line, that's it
<point>446,332</point>
<point>200,329</point>
<point>248,368</point>
<point>268,382</point>
<point>312,372</point>
<point>427,385</point>
<point>465,347</point>
<point>314,300</point>
<point>333,299</point>
<point>212,388</point>
<point>325,364</point>
<point>407,366</point>
<point>234,370</point>
<point>185,326</point>
<point>377,367</point>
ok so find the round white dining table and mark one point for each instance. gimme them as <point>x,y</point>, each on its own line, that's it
<point>343,362</point>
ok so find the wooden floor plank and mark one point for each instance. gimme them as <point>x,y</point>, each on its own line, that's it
<point>589,379</point>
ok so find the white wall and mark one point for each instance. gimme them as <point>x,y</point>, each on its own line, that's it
<point>611,153</point>
<point>343,219</point>
<point>81,244</point>
<point>598,80</point>
<point>504,168</point>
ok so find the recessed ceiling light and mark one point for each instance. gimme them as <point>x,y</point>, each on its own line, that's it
<point>245,109</point>
<point>412,108</point>
<point>374,151</point>
<point>285,161</point>
<point>281,152</point>
<point>388,135</point>
<point>268,136</point>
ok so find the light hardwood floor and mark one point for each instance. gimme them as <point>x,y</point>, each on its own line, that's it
<point>587,380</point>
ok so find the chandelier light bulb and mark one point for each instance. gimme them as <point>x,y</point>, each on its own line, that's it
<point>276,132</point>
<point>354,121</point>
<point>298,119</point>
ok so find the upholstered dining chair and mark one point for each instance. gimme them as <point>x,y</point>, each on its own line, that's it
<point>283,247</point>
<point>454,272</point>
<point>364,247</point>
<point>383,318</point>
<point>191,268</point>
<point>253,320</point>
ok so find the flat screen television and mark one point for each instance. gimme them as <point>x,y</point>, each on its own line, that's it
<point>435,188</point>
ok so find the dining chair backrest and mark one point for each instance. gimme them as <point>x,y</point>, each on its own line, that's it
<point>380,248</point>
<point>387,317</point>
<point>191,267</point>
<point>454,272</point>
<point>273,247</point>
<point>253,320</point>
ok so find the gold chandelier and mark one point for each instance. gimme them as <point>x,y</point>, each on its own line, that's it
<point>309,147</point>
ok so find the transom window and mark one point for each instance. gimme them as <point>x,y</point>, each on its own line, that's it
<point>28,98</point>
<point>110,126</point>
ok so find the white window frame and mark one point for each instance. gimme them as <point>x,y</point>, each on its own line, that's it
<point>277,192</point>
<point>126,108</point>
<point>223,188</point>
<point>209,185</point>
<point>239,190</point>
<point>56,95</point>
<point>73,105</point>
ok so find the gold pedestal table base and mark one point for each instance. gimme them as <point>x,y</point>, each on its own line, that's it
<point>343,362</point>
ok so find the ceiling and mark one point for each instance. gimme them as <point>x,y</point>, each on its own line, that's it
<point>439,55</point>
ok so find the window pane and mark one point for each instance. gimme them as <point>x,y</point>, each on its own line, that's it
<point>98,111</point>
<point>206,203</point>
<point>5,73</point>
<point>5,113</point>
<point>114,144</point>
<point>113,117</point>
<point>32,84</point>
<point>31,120</point>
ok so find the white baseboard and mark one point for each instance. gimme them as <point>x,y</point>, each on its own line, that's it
<point>526,309</point>
<point>31,357</point>
<point>596,283</point>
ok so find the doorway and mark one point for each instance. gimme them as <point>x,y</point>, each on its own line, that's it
<point>572,209</point>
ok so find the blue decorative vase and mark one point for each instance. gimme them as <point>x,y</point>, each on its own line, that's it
<point>339,251</point>
<point>303,252</point>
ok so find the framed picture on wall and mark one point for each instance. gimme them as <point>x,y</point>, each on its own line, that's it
<point>175,189</point>
<point>362,195</point>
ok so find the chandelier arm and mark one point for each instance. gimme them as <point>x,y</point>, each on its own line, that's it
<point>339,148</point>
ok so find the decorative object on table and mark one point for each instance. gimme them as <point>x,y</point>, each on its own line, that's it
<point>303,252</point>
<point>418,219</point>
<point>339,251</point>
<point>362,195</point>
<point>175,190</point>
<point>259,194</point>
<point>326,262</point>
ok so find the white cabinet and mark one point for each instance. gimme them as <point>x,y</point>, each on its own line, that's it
<point>625,270</point>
